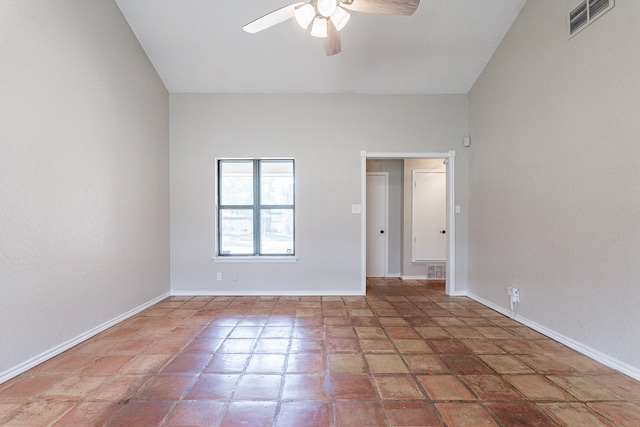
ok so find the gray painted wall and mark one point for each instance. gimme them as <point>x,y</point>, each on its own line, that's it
<point>325,134</point>
<point>554,176</point>
<point>84,188</point>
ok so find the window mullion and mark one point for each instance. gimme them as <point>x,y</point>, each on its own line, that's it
<point>219,213</point>
<point>257,244</point>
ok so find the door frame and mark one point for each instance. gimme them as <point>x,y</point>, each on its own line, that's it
<point>385,268</point>
<point>449,157</point>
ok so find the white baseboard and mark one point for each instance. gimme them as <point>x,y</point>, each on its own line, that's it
<point>42,357</point>
<point>213,293</point>
<point>424,277</point>
<point>596,355</point>
<point>460,294</point>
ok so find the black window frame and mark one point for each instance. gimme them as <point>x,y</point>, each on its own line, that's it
<point>257,207</point>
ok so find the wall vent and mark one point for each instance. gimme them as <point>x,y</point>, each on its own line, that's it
<point>436,271</point>
<point>587,12</point>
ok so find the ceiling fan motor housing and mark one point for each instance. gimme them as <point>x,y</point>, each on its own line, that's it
<point>326,7</point>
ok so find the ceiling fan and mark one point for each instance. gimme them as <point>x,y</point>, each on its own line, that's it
<point>328,17</point>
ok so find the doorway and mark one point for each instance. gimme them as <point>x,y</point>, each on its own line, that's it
<point>449,162</point>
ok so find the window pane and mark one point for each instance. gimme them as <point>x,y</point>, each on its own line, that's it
<point>276,182</point>
<point>276,231</point>
<point>236,232</point>
<point>236,183</point>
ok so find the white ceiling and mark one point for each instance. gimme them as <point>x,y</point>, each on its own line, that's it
<point>199,46</point>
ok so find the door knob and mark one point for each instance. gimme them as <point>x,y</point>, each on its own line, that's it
<point>443,231</point>
<point>381,231</point>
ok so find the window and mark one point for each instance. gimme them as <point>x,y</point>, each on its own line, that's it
<point>256,207</point>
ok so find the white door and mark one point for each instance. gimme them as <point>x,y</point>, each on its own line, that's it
<point>377,201</point>
<point>429,216</point>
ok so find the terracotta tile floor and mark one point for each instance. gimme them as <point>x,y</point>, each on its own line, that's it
<point>406,355</point>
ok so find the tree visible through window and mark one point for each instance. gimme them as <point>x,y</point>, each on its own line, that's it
<point>256,208</point>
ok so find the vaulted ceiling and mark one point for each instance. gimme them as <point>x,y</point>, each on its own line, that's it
<point>199,46</point>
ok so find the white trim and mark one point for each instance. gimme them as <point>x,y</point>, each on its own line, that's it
<point>387,155</point>
<point>450,270</point>
<point>284,258</point>
<point>42,357</point>
<point>451,229</point>
<point>363,222</point>
<point>596,355</point>
<point>213,293</point>
<point>459,294</point>
<point>414,277</point>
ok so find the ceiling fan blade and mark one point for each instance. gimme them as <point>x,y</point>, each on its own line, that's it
<point>391,7</point>
<point>272,18</point>
<point>331,43</point>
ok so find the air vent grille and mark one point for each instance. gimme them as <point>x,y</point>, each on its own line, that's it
<point>597,6</point>
<point>436,271</point>
<point>587,12</point>
<point>578,17</point>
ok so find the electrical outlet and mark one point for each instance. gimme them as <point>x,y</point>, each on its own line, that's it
<point>514,299</point>
<point>219,276</point>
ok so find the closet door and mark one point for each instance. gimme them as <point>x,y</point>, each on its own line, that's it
<point>377,234</point>
<point>429,215</point>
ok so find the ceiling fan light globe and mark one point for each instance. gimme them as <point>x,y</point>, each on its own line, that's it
<point>304,15</point>
<point>340,18</point>
<point>326,8</point>
<point>319,28</point>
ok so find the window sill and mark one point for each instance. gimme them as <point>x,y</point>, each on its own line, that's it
<point>255,259</point>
